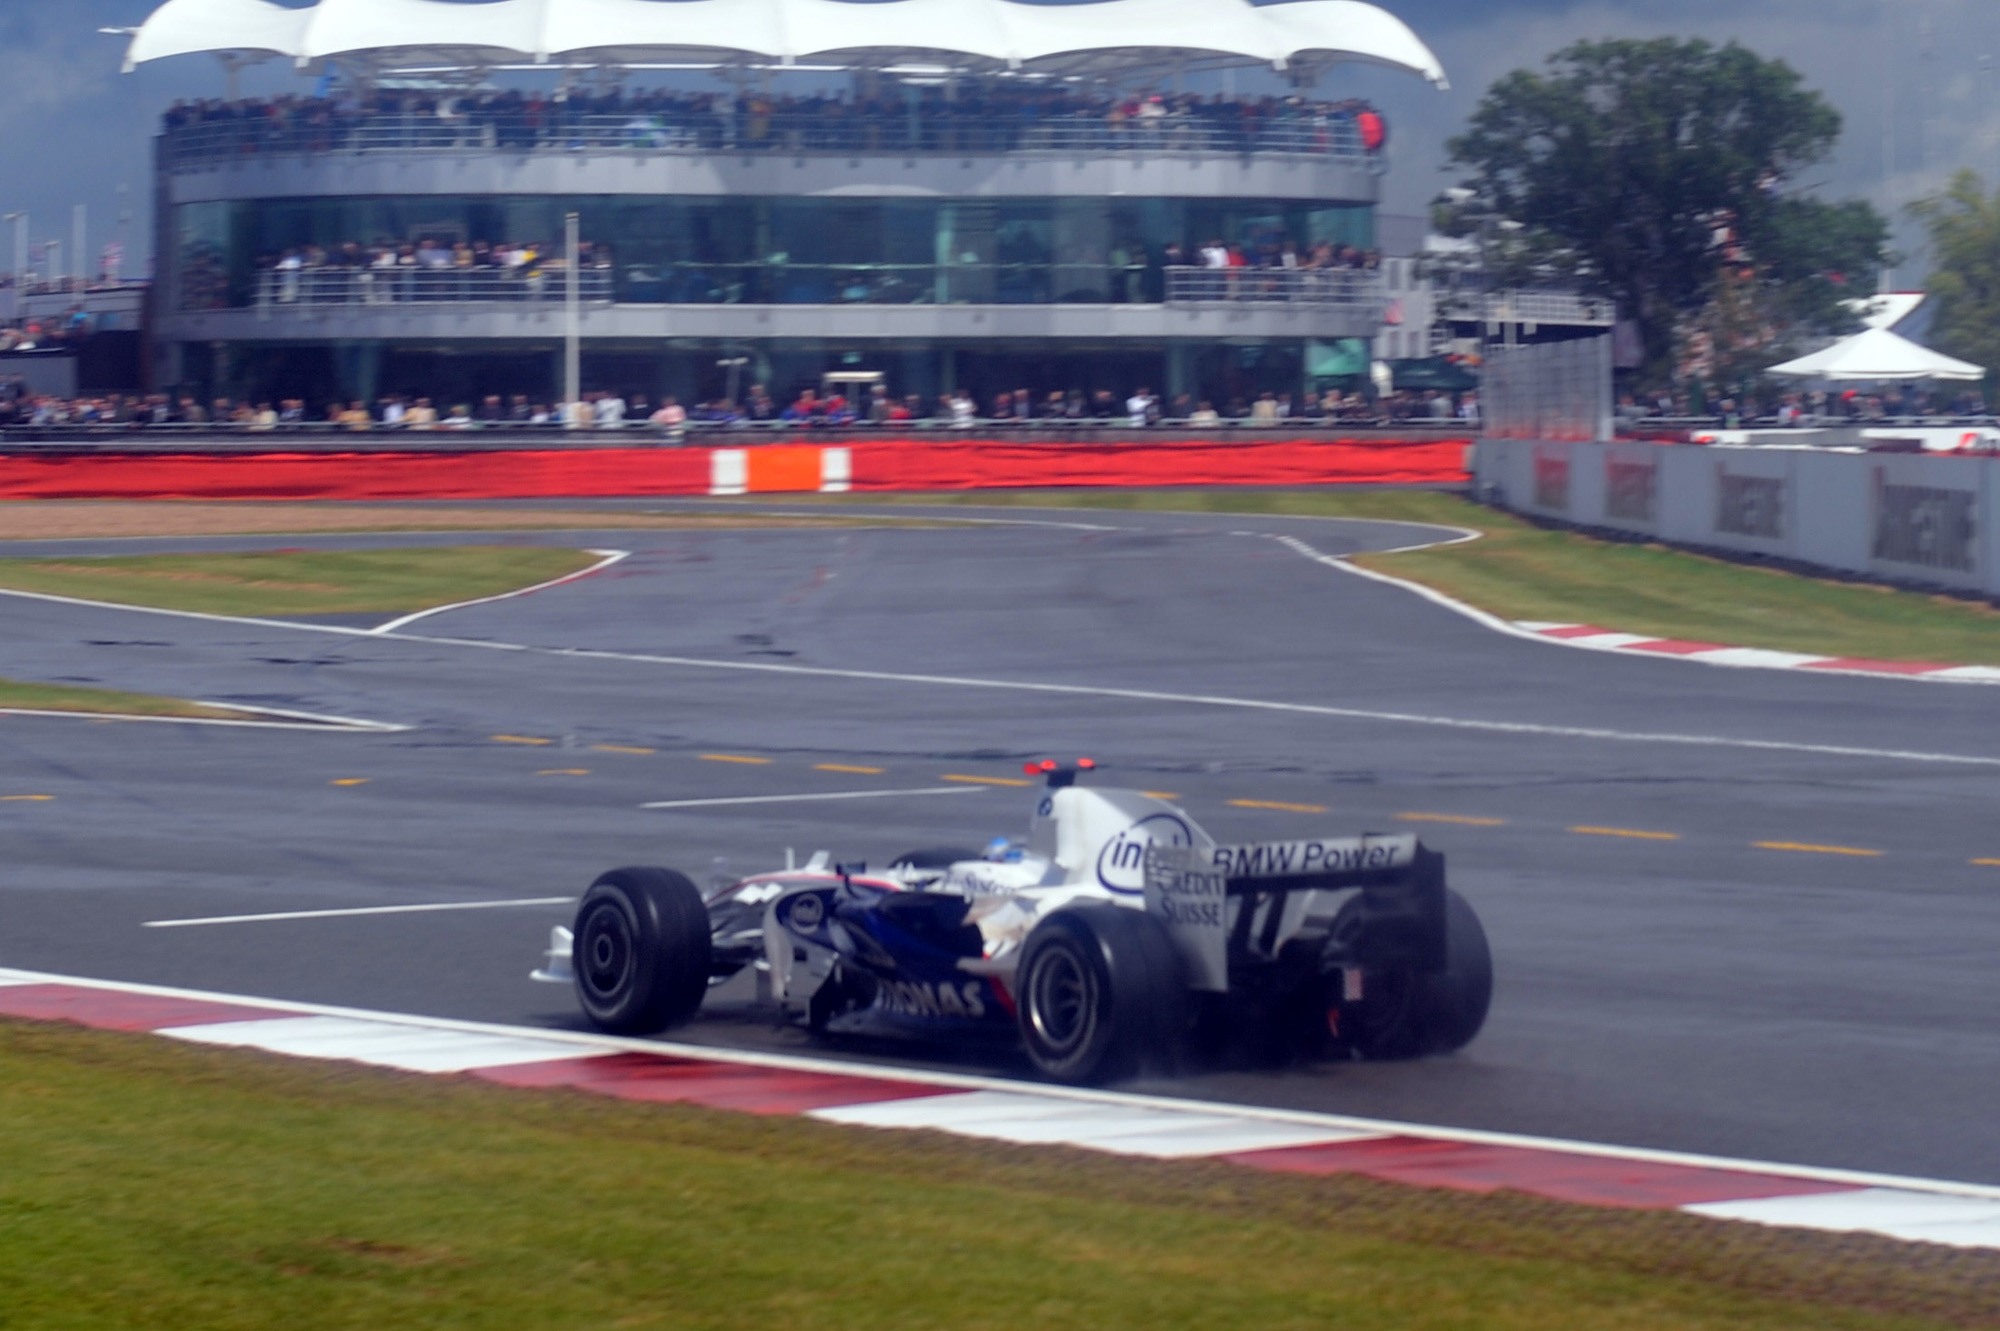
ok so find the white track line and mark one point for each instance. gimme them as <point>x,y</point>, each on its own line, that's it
<point>964,1081</point>
<point>825,795</point>
<point>606,558</point>
<point>348,725</point>
<point>357,910</point>
<point>1129,695</point>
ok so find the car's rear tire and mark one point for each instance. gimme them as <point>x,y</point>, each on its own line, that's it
<point>1102,992</point>
<point>641,950</point>
<point>1407,1014</point>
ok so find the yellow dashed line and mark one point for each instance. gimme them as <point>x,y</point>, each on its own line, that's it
<point>734,758</point>
<point>621,748</point>
<point>1812,849</point>
<point>349,781</point>
<point>1159,794</point>
<point>1275,804</point>
<point>1450,818</point>
<point>25,799</point>
<point>843,767</point>
<point>564,771</point>
<point>1987,862</point>
<point>986,780</point>
<point>1632,832</point>
<point>520,739</point>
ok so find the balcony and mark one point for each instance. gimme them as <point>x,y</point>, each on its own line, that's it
<point>1313,133</point>
<point>280,291</point>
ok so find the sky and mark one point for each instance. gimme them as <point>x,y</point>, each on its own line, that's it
<point>1917,82</point>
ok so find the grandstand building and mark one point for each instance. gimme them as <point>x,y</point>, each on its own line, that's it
<point>977,195</point>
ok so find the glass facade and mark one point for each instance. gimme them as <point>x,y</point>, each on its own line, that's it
<point>1229,376</point>
<point>777,250</point>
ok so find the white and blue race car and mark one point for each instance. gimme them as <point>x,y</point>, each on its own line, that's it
<point>1117,936</point>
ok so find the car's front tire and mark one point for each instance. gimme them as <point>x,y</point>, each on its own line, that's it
<point>1102,992</point>
<point>641,950</point>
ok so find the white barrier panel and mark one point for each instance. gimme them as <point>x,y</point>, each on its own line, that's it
<point>1902,517</point>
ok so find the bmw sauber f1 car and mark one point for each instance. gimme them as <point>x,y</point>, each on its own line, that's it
<point>1118,936</point>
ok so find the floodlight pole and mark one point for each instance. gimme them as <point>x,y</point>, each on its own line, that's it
<point>572,316</point>
<point>79,228</point>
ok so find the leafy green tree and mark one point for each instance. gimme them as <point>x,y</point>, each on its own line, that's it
<point>1654,171</point>
<point>1964,223</point>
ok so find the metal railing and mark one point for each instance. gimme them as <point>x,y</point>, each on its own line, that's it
<point>457,436</point>
<point>279,290</point>
<point>318,288</point>
<point>1348,288</point>
<point>1316,134</point>
<point>1539,307</point>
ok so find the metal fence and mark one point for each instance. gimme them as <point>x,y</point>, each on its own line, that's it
<point>1548,390</point>
<point>319,288</point>
<point>1537,307</point>
<point>1352,288</point>
<point>502,435</point>
<point>203,143</point>
<point>281,290</point>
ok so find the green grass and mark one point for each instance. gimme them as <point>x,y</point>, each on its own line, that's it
<point>1520,571</point>
<point>68,698</point>
<point>298,582</point>
<point>155,1185</point>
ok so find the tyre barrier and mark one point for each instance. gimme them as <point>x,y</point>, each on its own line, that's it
<point>883,466</point>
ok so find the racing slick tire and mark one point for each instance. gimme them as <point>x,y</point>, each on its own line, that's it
<point>641,950</point>
<point>1102,992</point>
<point>1412,1013</point>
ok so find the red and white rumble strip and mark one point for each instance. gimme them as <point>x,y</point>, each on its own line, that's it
<point>1760,658</point>
<point>1964,1215</point>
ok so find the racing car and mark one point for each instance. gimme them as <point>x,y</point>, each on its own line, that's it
<point>1117,936</point>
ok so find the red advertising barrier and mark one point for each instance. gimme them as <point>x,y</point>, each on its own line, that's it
<point>482,475</point>
<point>868,466</point>
<point>977,464</point>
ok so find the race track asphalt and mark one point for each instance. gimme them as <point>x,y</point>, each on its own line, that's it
<point>1733,911</point>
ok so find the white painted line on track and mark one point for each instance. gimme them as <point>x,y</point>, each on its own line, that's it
<point>1136,695</point>
<point>820,795</point>
<point>423,909</point>
<point>330,725</point>
<point>606,558</point>
<point>591,1040</point>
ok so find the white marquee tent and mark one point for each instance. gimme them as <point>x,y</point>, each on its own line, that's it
<point>1303,37</point>
<point>1877,353</point>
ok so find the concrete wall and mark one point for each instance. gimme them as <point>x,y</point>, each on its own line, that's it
<point>1900,517</point>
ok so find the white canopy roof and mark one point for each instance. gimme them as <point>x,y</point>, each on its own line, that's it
<point>1877,353</point>
<point>1102,36</point>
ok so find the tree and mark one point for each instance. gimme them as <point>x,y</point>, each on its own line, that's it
<point>1655,171</point>
<point>1964,224</point>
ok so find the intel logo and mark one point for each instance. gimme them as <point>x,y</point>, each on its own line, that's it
<point>1121,865</point>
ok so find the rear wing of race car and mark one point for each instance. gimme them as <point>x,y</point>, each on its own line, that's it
<point>1400,920</point>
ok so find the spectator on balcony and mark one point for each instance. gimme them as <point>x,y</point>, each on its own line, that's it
<point>609,413</point>
<point>421,416</point>
<point>1142,408</point>
<point>1265,410</point>
<point>1205,415</point>
<point>963,410</point>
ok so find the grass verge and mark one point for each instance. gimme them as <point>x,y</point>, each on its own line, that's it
<point>298,582</point>
<point>160,1185</point>
<point>1521,571</point>
<point>68,698</point>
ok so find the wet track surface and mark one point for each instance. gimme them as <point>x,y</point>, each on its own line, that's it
<point>1733,911</point>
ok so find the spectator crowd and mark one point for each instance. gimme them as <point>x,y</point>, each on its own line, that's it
<point>978,115</point>
<point>810,409</point>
